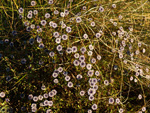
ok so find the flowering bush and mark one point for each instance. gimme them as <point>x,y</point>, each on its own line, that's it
<point>74,57</point>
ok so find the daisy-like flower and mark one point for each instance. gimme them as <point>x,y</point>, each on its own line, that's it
<point>85,36</point>
<point>48,111</point>
<point>97,73</point>
<point>95,87</point>
<point>56,12</point>
<point>50,2</point>
<point>55,74</point>
<point>111,100</point>
<point>35,98</point>
<point>60,69</point>
<point>62,14</point>
<point>131,78</point>
<point>43,22</point>
<point>40,97</point>
<point>51,94</point>
<point>51,54</point>
<point>55,81</point>
<point>35,12</point>
<point>74,49</point>
<point>89,111</point>
<point>143,109</point>
<point>59,48</point>
<point>54,25</point>
<point>33,3</point>
<point>66,12</point>
<point>54,91</point>
<point>84,7</point>
<point>91,97</point>
<point>92,24</point>
<point>139,96</point>
<point>45,95</point>
<point>76,62</point>
<point>63,26</point>
<point>82,93</point>
<point>79,76</point>
<point>113,5</point>
<point>29,15</point>
<point>101,9</point>
<point>117,100</point>
<point>90,53</point>
<point>82,64</point>
<point>68,29</point>
<point>94,80</point>
<point>115,24</point>
<point>99,57</point>
<point>94,106</point>
<point>70,84</point>
<point>64,37</point>
<point>47,15</point>
<point>120,55</point>
<point>106,82</point>
<point>41,45</point>
<point>81,57</point>
<point>21,10</point>
<point>89,66</point>
<point>69,50</point>
<point>83,50</point>
<point>93,60</point>
<point>78,19</point>
<point>76,55</point>
<point>45,102</point>
<point>50,103</point>
<point>30,96</point>
<point>90,73</point>
<point>97,35</point>
<point>33,105</point>
<point>32,26</point>
<point>2,94</point>
<point>91,47</point>
<point>67,78</point>
<point>51,23</point>
<point>121,110</point>
<point>58,40</point>
<point>91,91</point>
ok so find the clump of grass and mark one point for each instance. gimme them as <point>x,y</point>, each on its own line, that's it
<point>75,56</point>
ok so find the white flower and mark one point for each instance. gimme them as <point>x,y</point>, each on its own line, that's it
<point>91,97</point>
<point>70,84</point>
<point>82,93</point>
<point>106,82</point>
<point>92,24</point>
<point>67,78</point>
<point>98,35</point>
<point>43,22</point>
<point>59,48</point>
<point>121,110</point>
<point>68,29</point>
<point>47,15</point>
<point>140,96</point>
<point>78,19</point>
<point>76,55</point>
<point>56,34</point>
<point>111,100</point>
<point>89,66</point>
<point>33,3</point>
<point>117,100</point>
<point>85,36</point>
<point>94,106</point>
<point>64,37</point>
